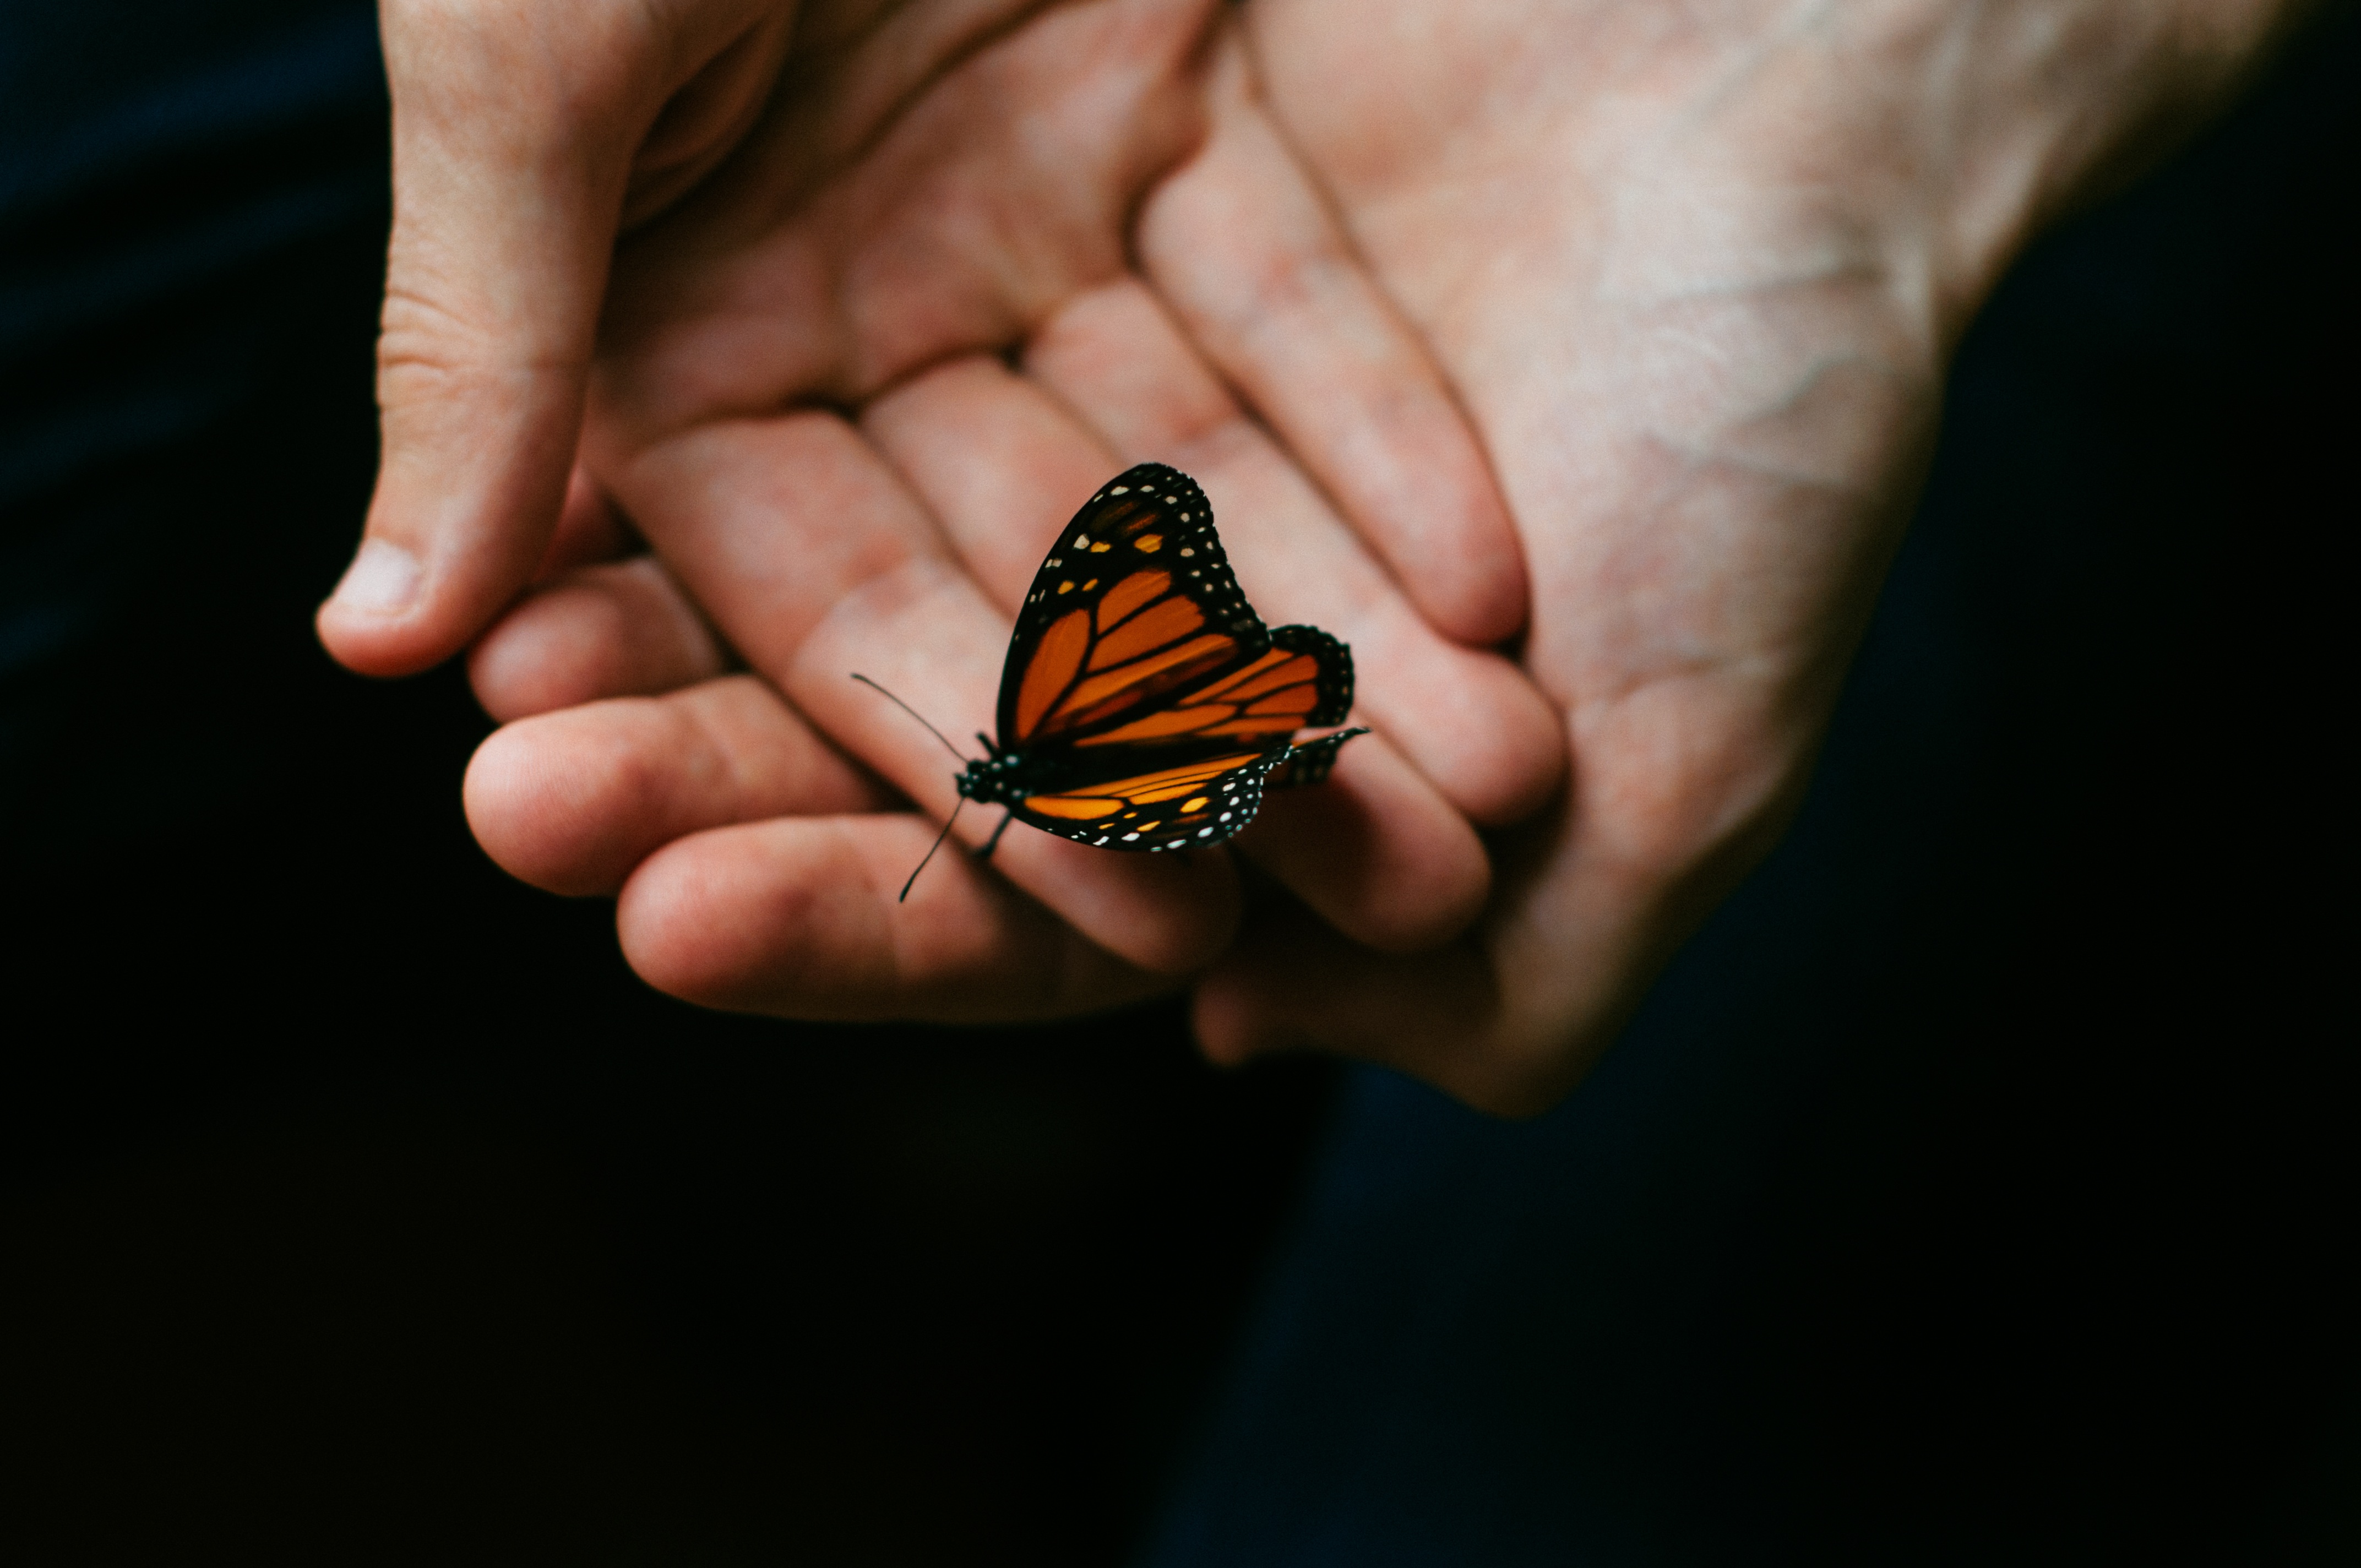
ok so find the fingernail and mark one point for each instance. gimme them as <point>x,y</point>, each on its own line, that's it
<point>382,580</point>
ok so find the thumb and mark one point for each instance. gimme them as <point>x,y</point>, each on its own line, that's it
<point>515,128</point>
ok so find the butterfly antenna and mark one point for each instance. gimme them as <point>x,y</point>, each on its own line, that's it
<point>913,713</point>
<point>938,838</point>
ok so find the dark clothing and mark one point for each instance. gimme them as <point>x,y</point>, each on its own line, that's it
<point>193,210</point>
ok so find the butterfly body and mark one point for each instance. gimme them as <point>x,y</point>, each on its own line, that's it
<point>1143,704</point>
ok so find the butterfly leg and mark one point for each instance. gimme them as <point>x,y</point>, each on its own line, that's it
<point>994,842</point>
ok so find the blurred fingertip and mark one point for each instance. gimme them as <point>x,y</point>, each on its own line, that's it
<point>1234,1021</point>
<point>1523,762</point>
<point>1492,609</point>
<point>1220,1023</point>
<point>1169,915</point>
<point>1467,579</point>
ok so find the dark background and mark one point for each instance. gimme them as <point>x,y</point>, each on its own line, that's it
<point>359,1205</point>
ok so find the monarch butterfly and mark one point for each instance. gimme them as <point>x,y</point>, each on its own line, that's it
<point>1143,704</point>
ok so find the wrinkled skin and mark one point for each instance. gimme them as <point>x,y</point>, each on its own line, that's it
<point>1611,335</point>
<point>1697,272</point>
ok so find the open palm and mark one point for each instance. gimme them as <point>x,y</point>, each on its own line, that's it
<point>1692,278</point>
<point>1695,275</point>
<point>848,389</point>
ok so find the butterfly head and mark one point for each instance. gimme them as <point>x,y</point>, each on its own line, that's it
<point>994,779</point>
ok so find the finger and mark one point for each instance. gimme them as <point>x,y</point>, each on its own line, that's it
<point>624,630</point>
<point>589,530</point>
<point>1445,1017</point>
<point>1588,907</point>
<point>1463,716</point>
<point>1266,283</point>
<point>799,918</point>
<point>892,211</point>
<point>1293,984</point>
<point>572,801</point>
<point>816,564</point>
<point>1001,464</point>
<point>514,129</point>
<point>1374,851</point>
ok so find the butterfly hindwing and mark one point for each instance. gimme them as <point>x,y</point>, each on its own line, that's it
<point>1191,804</point>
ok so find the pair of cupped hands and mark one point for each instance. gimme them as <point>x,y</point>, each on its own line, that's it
<point>1575,363</point>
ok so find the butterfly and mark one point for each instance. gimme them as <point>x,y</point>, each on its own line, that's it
<point>1144,706</point>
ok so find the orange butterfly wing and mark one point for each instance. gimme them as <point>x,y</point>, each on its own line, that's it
<point>1144,702</point>
<point>1189,806</point>
<point>1134,630</point>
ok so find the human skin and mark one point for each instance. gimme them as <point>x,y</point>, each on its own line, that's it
<point>847,389</point>
<point>1697,272</point>
<point>1692,273</point>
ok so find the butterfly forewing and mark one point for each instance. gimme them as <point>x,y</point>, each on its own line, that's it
<point>1191,804</point>
<point>1304,678</point>
<point>1135,602</point>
